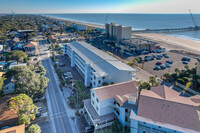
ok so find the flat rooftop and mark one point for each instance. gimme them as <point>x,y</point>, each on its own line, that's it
<point>100,61</point>
<point>138,41</point>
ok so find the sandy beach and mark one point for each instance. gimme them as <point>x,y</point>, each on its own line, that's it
<point>90,26</point>
<point>173,43</point>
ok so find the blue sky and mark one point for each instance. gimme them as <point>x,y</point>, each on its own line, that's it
<point>99,6</point>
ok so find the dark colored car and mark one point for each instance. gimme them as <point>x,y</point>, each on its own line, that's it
<point>169,61</point>
<point>158,63</point>
<point>186,59</point>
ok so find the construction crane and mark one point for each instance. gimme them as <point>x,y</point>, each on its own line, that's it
<point>195,24</point>
<point>106,18</point>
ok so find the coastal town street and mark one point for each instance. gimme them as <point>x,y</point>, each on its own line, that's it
<point>58,116</point>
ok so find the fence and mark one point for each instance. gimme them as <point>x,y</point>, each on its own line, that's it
<point>186,88</point>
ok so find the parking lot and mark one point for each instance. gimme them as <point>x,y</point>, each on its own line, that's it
<point>67,68</point>
<point>149,66</point>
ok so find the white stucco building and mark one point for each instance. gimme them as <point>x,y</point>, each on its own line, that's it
<point>96,66</point>
<point>111,102</point>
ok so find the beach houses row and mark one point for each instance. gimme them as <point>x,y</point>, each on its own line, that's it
<point>96,66</point>
<point>159,110</point>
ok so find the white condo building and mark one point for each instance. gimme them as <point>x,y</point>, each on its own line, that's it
<point>96,66</point>
<point>198,67</point>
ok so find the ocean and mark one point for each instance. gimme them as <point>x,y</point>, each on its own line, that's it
<point>141,21</point>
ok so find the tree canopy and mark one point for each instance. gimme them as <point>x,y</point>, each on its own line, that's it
<point>28,81</point>
<point>16,55</point>
<point>34,129</point>
<point>24,107</point>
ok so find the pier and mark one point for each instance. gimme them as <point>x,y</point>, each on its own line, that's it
<point>167,30</point>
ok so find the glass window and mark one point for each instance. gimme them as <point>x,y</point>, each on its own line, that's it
<point>97,108</point>
<point>97,100</point>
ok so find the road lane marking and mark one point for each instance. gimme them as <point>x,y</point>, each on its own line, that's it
<point>56,102</point>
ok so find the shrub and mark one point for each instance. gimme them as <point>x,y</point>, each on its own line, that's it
<point>181,81</point>
<point>186,79</point>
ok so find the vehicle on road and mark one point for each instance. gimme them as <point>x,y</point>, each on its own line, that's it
<point>39,108</point>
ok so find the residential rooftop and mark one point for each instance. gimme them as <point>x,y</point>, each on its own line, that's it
<point>162,105</point>
<point>120,91</point>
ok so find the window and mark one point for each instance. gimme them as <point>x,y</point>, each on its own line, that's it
<point>94,77</point>
<point>97,108</point>
<point>93,102</point>
<point>126,118</point>
<point>103,77</point>
<point>114,102</point>
<point>99,81</point>
<point>94,83</point>
<point>126,110</point>
<point>97,100</point>
<point>93,94</point>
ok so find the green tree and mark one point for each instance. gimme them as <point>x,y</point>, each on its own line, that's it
<point>1,86</point>
<point>153,81</point>
<point>145,85</point>
<point>142,62</point>
<point>28,82</point>
<point>16,55</point>
<point>116,127</point>
<point>135,60</point>
<point>187,67</point>
<point>177,70</point>
<point>181,81</point>
<point>24,107</point>
<point>167,75</point>
<point>34,128</point>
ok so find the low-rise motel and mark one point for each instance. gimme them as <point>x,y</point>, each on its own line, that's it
<point>96,66</point>
<point>159,110</point>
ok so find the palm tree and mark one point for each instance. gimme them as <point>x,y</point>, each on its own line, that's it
<point>142,64</point>
<point>135,60</point>
<point>167,75</point>
<point>153,81</point>
<point>186,67</point>
<point>177,70</point>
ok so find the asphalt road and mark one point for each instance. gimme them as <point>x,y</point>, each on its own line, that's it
<point>57,110</point>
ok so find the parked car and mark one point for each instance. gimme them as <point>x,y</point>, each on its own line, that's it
<point>89,129</point>
<point>38,114</point>
<point>157,68</point>
<point>159,58</point>
<point>169,61</point>
<point>39,108</point>
<point>158,63</point>
<point>186,59</point>
<point>166,55</point>
<point>162,66</point>
<point>184,62</point>
<point>167,65</point>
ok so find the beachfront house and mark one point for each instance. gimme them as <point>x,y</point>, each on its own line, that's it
<point>30,48</point>
<point>111,102</point>
<point>162,109</point>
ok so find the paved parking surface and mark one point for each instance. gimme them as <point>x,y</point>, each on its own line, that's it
<point>177,63</point>
<point>68,68</point>
<point>81,123</point>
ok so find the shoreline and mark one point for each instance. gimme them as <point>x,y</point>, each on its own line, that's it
<point>172,42</point>
<point>88,24</point>
<point>168,41</point>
